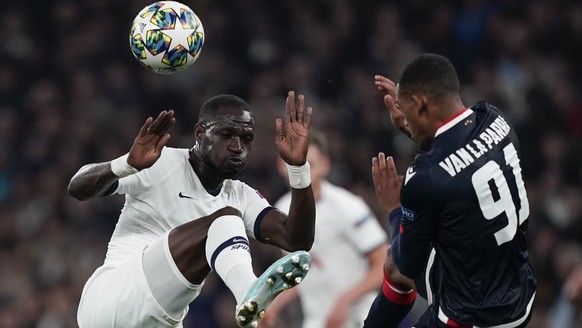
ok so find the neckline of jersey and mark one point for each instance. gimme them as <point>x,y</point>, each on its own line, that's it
<point>453,120</point>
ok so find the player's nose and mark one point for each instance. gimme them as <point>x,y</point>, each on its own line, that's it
<point>235,145</point>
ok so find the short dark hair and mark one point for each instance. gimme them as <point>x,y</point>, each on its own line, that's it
<point>431,74</point>
<point>210,106</point>
<point>318,139</point>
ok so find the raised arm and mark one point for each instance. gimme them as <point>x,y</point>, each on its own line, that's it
<point>94,180</point>
<point>388,89</point>
<point>295,231</point>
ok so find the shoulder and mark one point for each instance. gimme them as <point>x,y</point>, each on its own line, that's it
<point>171,157</point>
<point>418,178</point>
<point>485,107</point>
<point>171,161</point>
<point>490,113</point>
<point>241,189</point>
<point>174,153</point>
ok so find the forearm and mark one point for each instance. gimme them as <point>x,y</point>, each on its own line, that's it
<point>92,180</point>
<point>416,251</point>
<point>300,225</point>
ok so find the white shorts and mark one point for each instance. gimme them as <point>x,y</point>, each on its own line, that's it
<point>118,295</point>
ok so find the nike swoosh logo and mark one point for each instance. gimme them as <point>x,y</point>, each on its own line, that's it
<point>181,195</point>
<point>239,240</point>
<point>409,174</point>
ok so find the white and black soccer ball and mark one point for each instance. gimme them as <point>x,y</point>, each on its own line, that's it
<point>166,37</point>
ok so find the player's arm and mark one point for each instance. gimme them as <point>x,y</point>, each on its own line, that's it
<point>295,231</point>
<point>396,298</point>
<point>410,237</point>
<point>97,179</point>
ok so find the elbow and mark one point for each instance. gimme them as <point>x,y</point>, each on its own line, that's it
<point>74,191</point>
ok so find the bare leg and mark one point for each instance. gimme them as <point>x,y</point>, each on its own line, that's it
<point>187,245</point>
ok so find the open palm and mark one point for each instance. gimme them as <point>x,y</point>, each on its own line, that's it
<point>292,133</point>
<point>153,136</point>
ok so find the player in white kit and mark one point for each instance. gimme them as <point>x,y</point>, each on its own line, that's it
<point>347,255</point>
<point>184,215</point>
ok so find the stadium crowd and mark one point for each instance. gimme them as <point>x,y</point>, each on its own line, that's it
<point>71,93</point>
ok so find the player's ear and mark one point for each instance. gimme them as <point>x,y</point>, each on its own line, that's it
<point>198,132</point>
<point>421,103</point>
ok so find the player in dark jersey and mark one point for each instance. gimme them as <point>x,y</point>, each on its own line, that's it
<point>464,197</point>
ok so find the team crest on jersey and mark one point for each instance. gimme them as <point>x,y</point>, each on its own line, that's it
<point>407,214</point>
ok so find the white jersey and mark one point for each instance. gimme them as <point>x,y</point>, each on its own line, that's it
<point>169,194</point>
<point>345,232</point>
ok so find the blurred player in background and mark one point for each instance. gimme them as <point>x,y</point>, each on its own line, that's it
<point>184,216</point>
<point>348,252</point>
<point>464,197</point>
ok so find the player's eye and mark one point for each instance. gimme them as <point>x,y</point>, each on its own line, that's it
<point>248,138</point>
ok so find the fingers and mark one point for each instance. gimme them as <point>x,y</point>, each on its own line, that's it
<point>162,142</point>
<point>295,111</point>
<point>391,170</point>
<point>307,117</point>
<point>385,85</point>
<point>278,127</point>
<point>290,111</point>
<point>384,170</point>
<point>168,124</point>
<point>144,129</point>
<point>379,174</point>
<point>375,171</point>
<point>300,107</point>
<point>382,166</point>
<point>162,123</point>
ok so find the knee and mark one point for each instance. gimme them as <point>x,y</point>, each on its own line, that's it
<point>392,271</point>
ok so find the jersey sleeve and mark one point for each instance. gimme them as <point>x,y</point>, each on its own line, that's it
<point>418,225</point>
<point>136,183</point>
<point>361,226</point>
<point>256,207</point>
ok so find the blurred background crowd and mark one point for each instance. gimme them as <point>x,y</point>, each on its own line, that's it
<point>71,93</point>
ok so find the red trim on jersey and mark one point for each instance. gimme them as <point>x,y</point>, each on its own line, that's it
<point>453,117</point>
<point>395,293</point>
<point>401,229</point>
<point>451,323</point>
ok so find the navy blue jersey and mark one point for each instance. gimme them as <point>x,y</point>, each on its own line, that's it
<point>467,198</point>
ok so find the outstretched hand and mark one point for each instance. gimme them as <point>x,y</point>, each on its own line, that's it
<point>387,182</point>
<point>292,133</point>
<point>388,88</point>
<point>153,136</point>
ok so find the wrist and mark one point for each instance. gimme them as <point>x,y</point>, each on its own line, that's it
<point>299,175</point>
<point>121,168</point>
<point>395,214</point>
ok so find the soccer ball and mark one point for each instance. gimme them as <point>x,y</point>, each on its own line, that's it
<point>166,37</point>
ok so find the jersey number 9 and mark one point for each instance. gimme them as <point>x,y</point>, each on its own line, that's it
<point>495,197</point>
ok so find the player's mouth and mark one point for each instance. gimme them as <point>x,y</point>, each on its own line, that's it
<point>235,161</point>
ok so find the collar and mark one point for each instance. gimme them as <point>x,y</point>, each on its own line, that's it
<point>453,120</point>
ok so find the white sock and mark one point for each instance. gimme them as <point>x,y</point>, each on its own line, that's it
<point>228,253</point>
